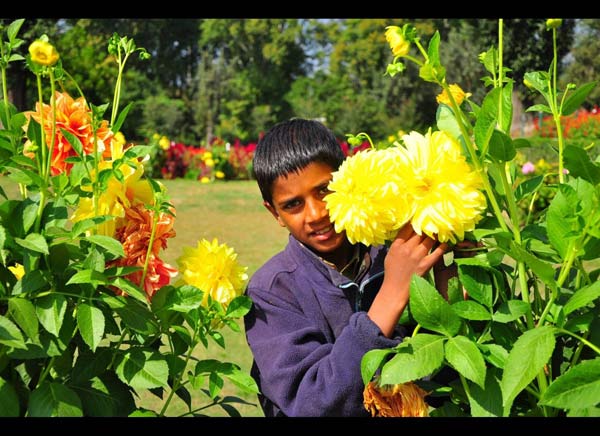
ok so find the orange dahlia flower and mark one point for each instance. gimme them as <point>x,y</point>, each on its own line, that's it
<point>401,400</point>
<point>73,116</point>
<point>135,237</point>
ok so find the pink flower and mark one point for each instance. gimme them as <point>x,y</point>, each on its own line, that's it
<point>528,168</point>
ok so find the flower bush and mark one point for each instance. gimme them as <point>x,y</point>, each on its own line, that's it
<point>525,341</point>
<point>89,319</point>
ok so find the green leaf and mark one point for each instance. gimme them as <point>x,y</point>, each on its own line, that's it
<point>561,218</point>
<point>23,312</point>
<point>137,317</point>
<point>578,161</point>
<point>575,100</point>
<point>465,357</point>
<point>471,310</point>
<point>121,118</point>
<point>110,244</point>
<point>215,384</point>
<point>447,122</point>
<point>130,289</point>
<point>243,381</point>
<point>510,311</point>
<point>543,270</point>
<point>51,310</point>
<point>371,361</point>
<point>539,81</point>
<point>577,388</point>
<point>531,351</point>
<point>105,396</point>
<point>486,401</point>
<point>90,321</point>
<point>90,276</point>
<point>507,107</point>
<point>239,307</point>
<point>89,223</point>
<point>494,353</point>
<point>487,119</point>
<point>13,29</point>
<point>9,401</point>
<point>10,335</point>
<point>143,369</point>
<point>74,141</point>
<point>501,147</point>
<point>539,108</point>
<point>528,186</point>
<point>430,309</point>
<point>34,242</point>
<point>183,299</point>
<point>416,358</point>
<point>54,399</point>
<point>582,297</point>
<point>476,280</point>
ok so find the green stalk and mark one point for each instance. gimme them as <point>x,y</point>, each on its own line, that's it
<point>155,218</point>
<point>474,158</point>
<point>579,338</point>
<point>177,381</point>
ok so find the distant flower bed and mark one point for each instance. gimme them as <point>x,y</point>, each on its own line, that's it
<point>582,127</point>
<point>218,161</point>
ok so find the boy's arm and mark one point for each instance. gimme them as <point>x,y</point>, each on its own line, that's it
<point>409,254</point>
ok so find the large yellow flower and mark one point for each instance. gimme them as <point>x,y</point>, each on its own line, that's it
<point>213,268</point>
<point>456,91</point>
<point>43,53</point>
<point>367,198</point>
<point>448,196</point>
<point>394,36</point>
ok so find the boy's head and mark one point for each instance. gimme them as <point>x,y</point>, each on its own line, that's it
<point>289,147</point>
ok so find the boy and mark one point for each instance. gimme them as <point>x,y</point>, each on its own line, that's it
<point>321,303</point>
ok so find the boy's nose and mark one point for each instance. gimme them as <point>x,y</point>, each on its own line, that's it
<point>315,210</point>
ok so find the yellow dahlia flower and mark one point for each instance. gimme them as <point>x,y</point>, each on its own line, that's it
<point>394,36</point>
<point>456,91</point>
<point>367,197</point>
<point>43,53</point>
<point>219,174</point>
<point>214,269</point>
<point>117,197</point>
<point>401,400</point>
<point>446,190</point>
<point>17,270</point>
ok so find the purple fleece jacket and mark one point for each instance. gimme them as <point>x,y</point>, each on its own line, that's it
<point>308,337</point>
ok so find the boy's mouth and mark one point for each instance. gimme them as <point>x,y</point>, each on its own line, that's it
<point>324,231</point>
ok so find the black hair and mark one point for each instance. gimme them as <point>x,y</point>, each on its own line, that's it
<point>289,147</point>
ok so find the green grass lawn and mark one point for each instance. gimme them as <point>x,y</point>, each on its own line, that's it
<point>233,213</point>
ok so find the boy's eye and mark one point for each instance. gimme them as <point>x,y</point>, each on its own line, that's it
<point>324,190</point>
<point>291,204</point>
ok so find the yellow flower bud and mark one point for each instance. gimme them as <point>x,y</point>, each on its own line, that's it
<point>456,91</point>
<point>204,180</point>
<point>400,46</point>
<point>17,270</point>
<point>219,174</point>
<point>43,53</point>
<point>553,23</point>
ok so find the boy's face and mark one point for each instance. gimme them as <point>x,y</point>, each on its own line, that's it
<point>298,205</point>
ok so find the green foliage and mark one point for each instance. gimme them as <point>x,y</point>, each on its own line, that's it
<point>80,335</point>
<point>523,343</point>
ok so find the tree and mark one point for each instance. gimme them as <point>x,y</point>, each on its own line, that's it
<point>582,66</point>
<point>261,58</point>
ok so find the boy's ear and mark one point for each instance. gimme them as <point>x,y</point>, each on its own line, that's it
<point>271,209</point>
